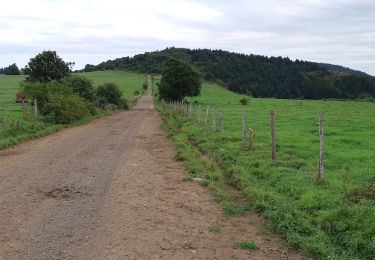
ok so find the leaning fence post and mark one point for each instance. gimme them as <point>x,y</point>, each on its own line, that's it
<point>273,135</point>
<point>199,115</point>
<point>206,122</point>
<point>321,148</point>
<point>35,108</point>
<point>243,128</point>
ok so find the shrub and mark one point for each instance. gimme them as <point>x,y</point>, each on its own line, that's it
<point>57,102</point>
<point>244,101</point>
<point>62,109</point>
<point>124,104</point>
<point>41,91</point>
<point>81,86</point>
<point>109,93</point>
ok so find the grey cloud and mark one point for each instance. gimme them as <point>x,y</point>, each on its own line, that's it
<point>335,31</point>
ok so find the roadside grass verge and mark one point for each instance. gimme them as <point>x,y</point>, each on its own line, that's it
<point>332,219</point>
<point>18,131</point>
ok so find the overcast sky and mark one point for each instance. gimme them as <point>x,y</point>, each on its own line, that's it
<point>91,31</point>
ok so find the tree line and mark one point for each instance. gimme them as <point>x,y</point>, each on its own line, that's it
<point>10,70</point>
<point>256,75</point>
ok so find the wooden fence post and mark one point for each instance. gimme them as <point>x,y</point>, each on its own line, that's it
<point>243,128</point>
<point>214,120</point>
<point>35,107</point>
<point>206,122</point>
<point>321,148</point>
<point>273,135</point>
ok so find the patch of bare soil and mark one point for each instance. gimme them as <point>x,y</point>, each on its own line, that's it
<point>65,192</point>
<point>112,190</point>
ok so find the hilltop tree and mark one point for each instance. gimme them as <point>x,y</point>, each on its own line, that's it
<point>48,66</point>
<point>179,80</point>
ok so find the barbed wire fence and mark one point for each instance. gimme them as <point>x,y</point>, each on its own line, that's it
<point>11,111</point>
<point>194,114</point>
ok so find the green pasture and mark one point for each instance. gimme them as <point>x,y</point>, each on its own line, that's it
<point>329,219</point>
<point>22,125</point>
<point>128,82</point>
<point>9,84</point>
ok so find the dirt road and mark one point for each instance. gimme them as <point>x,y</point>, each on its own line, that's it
<point>111,189</point>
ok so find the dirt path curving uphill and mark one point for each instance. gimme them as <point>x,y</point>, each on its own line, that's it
<point>111,189</point>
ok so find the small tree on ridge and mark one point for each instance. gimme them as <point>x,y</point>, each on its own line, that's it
<point>179,80</point>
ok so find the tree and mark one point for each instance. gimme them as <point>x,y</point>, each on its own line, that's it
<point>11,70</point>
<point>89,68</point>
<point>179,80</point>
<point>48,66</point>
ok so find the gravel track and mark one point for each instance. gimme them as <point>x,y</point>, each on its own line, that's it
<point>111,189</point>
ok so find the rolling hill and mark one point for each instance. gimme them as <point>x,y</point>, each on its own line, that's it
<point>256,75</point>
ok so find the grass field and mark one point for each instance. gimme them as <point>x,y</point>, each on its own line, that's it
<point>8,87</point>
<point>127,81</point>
<point>21,126</point>
<point>330,219</point>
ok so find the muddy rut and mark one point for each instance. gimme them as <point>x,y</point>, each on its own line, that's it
<point>111,189</point>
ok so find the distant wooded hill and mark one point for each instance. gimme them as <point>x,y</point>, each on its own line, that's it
<point>256,75</point>
<point>338,68</point>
